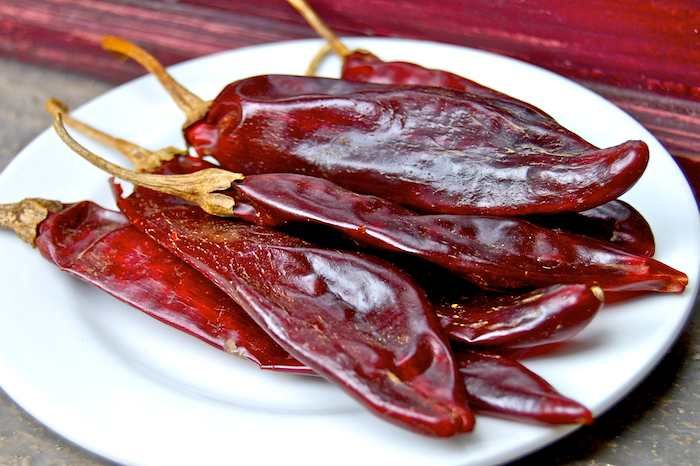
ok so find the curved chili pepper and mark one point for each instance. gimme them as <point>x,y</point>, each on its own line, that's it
<point>430,149</point>
<point>502,386</point>
<point>435,150</point>
<point>541,317</point>
<point>100,247</point>
<point>491,252</point>
<point>616,222</point>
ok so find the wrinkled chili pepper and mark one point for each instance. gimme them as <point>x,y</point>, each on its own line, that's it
<point>616,222</point>
<point>492,252</point>
<point>435,150</point>
<point>536,318</point>
<point>502,386</point>
<point>541,317</point>
<point>100,247</point>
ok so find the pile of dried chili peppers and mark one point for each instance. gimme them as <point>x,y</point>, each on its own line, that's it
<point>403,232</point>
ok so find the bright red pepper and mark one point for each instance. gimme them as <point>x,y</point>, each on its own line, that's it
<point>503,387</point>
<point>541,317</point>
<point>100,247</point>
<point>616,222</point>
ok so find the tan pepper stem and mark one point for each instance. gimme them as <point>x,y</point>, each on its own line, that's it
<point>143,159</point>
<point>200,187</point>
<point>317,59</point>
<point>25,216</point>
<point>193,106</point>
<point>320,27</point>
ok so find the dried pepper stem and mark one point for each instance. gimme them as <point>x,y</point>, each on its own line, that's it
<point>317,59</point>
<point>25,216</point>
<point>320,27</point>
<point>193,106</point>
<point>199,188</point>
<point>143,159</point>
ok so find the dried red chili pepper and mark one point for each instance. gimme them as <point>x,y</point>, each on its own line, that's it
<point>541,317</point>
<point>100,247</point>
<point>616,222</point>
<point>435,150</point>
<point>492,252</point>
<point>503,387</point>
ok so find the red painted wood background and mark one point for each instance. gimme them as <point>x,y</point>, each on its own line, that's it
<point>644,55</point>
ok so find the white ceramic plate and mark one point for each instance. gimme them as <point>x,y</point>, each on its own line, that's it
<point>133,390</point>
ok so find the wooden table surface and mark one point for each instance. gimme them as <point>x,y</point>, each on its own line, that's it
<point>657,424</point>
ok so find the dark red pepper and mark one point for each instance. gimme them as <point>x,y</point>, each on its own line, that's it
<point>541,317</point>
<point>503,387</point>
<point>616,222</point>
<point>100,247</point>
<point>491,252</point>
<point>432,149</point>
<point>355,320</point>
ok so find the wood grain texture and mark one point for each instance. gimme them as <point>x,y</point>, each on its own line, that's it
<point>643,55</point>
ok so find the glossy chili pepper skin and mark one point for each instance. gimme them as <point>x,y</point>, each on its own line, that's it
<point>431,149</point>
<point>363,66</point>
<point>355,320</point>
<point>491,252</point>
<point>503,387</point>
<point>540,317</point>
<point>100,247</point>
<point>615,222</point>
